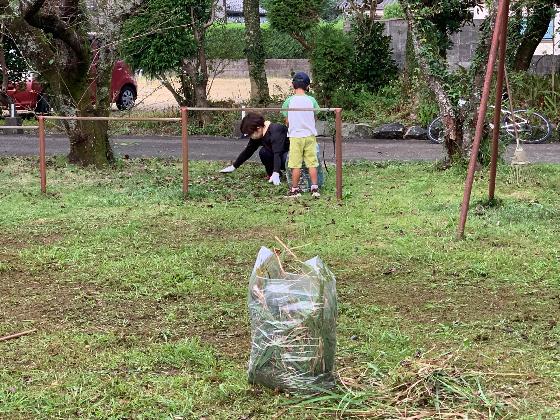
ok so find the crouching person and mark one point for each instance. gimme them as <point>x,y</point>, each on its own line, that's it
<point>271,138</point>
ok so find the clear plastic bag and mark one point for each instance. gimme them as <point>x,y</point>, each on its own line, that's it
<point>293,325</point>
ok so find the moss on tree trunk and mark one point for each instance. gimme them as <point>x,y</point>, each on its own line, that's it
<point>89,141</point>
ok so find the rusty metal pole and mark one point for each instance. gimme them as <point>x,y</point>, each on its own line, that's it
<point>338,152</point>
<point>503,10</point>
<point>42,153</point>
<point>498,105</point>
<point>185,150</point>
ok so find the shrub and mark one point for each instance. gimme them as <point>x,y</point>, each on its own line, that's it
<point>228,42</point>
<point>393,11</point>
<point>373,65</point>
<point>331,63</point>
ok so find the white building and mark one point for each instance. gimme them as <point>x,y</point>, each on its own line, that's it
<point>550,43</point>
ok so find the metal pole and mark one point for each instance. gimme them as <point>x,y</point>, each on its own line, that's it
<point>503,10</point>
<point>338,152</point>
<point>185,150</point>
<point>498,106</point>
<point>42,157</point>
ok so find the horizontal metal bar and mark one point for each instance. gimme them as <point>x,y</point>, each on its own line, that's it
<point>263,109</point>
<point>19,127</point>
<point>54,117</point>
<point>175,119</point>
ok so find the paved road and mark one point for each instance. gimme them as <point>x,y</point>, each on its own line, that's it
<point>225,149</point>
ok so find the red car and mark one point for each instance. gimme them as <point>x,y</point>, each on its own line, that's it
<point>29,96</point>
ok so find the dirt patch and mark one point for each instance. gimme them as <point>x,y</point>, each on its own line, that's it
<point>10,242</point>
<point>39,300</point>
<point>437,300</point>
<point>176,233</point>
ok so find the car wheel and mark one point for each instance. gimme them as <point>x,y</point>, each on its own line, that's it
<point>43,106</point>
<point>126,99</point>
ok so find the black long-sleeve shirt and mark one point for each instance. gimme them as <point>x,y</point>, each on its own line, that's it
<point>275,140</point>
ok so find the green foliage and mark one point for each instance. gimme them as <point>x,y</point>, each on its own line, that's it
<point>393,11</point>
<point>387,105</point>
<point>438,19</point>
<point>157,43</point>
<point>14,60</point>
<point>331,11</point>
<point>373,65</point>
<point>228,42</point>
<point>536,92</point>
<point>344,63</point>
<point>331,61</point>
<point>295,17</point>
<point>435,22</point>
<point>391,103</point>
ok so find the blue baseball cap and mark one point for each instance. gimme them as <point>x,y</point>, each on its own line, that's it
<point>301,77</point>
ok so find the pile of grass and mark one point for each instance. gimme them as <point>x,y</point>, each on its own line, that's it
<point>419,387</point>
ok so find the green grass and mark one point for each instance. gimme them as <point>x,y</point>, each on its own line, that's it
<point>139,298</point>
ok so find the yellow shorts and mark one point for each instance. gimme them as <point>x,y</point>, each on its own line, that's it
<point>303,150</point>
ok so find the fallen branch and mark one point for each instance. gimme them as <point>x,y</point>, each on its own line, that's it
<point>288,249</point>
<point>11,337</point>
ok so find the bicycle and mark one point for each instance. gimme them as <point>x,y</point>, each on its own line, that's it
<point>531,126</point>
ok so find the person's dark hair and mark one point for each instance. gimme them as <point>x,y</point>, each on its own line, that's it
<point>251,122</point>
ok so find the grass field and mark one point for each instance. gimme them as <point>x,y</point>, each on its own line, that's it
<point>139,299</point>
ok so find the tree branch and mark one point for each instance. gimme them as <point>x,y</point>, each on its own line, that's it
<point>169,86</point>
<point>435,83</point>
<point>55,26</point>
<point>212,16</point>
<point>301,39</point>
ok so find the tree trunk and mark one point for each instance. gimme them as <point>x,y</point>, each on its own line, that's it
<point>57,43</point>
<point>89,141</point>
<point>255,52</point>
<point>451,119</point>
<point>5,100</point>
<point>454,137</point>
<point>537,25</point>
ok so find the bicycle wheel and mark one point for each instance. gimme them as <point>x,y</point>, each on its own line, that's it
<point>532,127</point>
<point>435,131</point>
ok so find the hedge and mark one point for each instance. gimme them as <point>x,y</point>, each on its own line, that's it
<point>228,42</point>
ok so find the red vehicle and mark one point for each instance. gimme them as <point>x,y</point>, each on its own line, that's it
<point>30,97</point>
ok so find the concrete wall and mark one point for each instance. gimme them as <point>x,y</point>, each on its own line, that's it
<point>464,47</point>
<point>397,29</point>
<point>464,43</point>
<point>274,68</point>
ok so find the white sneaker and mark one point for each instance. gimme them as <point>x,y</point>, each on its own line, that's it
<point>315,192</point>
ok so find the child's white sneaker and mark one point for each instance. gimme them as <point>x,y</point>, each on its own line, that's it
<point>315,191</point>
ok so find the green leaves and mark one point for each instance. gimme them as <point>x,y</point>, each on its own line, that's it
<point>295,17</point>
<point>161,35</point>
<point>373,65</point>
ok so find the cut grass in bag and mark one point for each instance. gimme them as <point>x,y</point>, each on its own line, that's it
<point>293,325</point>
